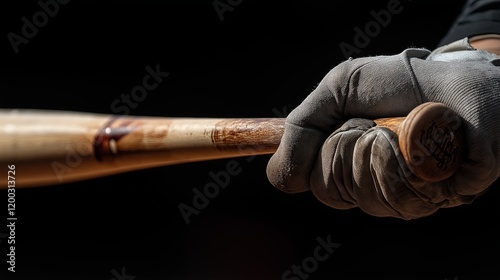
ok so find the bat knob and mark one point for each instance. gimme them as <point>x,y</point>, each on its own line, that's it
<point>431,139</point>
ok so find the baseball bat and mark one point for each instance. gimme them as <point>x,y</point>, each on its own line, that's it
<point>46,147</point>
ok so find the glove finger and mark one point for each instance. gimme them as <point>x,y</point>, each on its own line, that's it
<point>365,169</point>
<point>336,158</point>
<point>289,167</point>
<point>384,184</point>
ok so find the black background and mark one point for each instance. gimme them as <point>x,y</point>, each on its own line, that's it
<point>261,60</point>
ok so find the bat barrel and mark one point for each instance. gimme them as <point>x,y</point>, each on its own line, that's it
<point>53,147</point>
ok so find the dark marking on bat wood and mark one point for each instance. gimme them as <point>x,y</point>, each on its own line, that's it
<point>441,145</point>
<point>106,140</point>
<point>431,141</point>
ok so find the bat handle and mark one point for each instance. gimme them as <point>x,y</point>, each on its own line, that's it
<point>430,139</point>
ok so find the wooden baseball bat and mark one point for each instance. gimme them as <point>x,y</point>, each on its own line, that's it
<point>55,147</point>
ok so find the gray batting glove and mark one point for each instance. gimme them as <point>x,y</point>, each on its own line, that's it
<point>359,164</point>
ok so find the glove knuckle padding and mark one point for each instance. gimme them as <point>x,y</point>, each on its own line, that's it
<point>375,86</point>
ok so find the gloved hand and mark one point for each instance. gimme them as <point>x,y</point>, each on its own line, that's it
<point>359,164</point>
